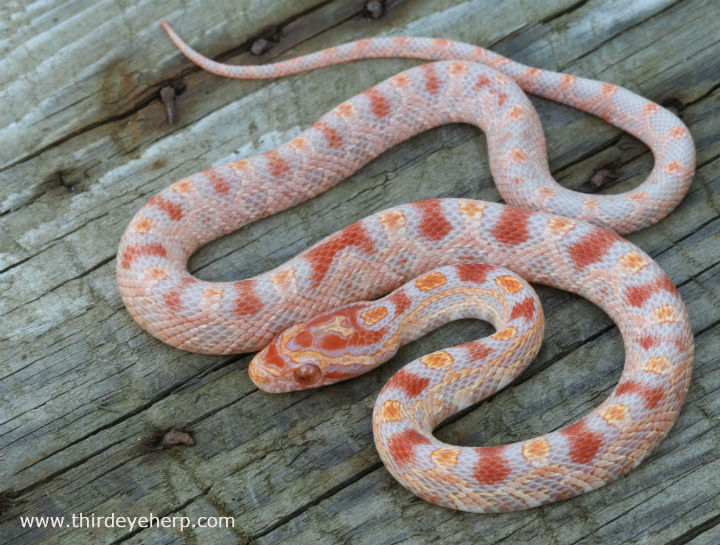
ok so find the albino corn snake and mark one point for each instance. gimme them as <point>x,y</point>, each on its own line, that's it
<point>434,253</point>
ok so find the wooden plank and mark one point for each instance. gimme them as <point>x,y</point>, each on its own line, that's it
<point>86,394</point>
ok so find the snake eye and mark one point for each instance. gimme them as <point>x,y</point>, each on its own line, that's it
<point>308,374</point>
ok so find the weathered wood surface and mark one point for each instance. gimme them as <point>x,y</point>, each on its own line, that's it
<point>85,394</point>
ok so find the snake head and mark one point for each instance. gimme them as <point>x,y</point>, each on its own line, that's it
<point>326,349</point>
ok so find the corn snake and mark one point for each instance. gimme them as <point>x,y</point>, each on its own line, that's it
<point>550,236</point>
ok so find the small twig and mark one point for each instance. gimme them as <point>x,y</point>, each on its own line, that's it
<point>167,96</point>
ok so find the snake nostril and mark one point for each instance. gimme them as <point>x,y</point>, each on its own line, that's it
<point>308,374</point>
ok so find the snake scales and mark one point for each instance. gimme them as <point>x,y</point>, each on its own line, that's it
<point>318,319</point>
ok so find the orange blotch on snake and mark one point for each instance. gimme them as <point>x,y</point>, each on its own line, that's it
<point>156,274</point>
<point>525,309</point>
<point>634,261</point>
<point>536,450</point>
<point>144,225</point>
<point>402,445</point>
<point>173,210</point>
<point>322,256</point>
<point>657,364</point>
<point>400,301</point>
<point>392,411</point>
<point>472,272</point>
<point>379,104</point>
<point>482,81</point>
<point>518,155</point>
<point>648,341</point>
<point>617,415</point>
<point>298,143</point>
<point>284,278</point>
<point>678,132</point>
<point>477,350</point>
<point>445,456</point>
<point>247,302</point>
<point>672,167</point>
<point>509,284</point>
<point>276,164</point>
<point>591,248</point>
<point>651,395</point>
<point>609,88</point>
<point>131,253</point>
<point>637,295</point>
<point>559,226</point>
<point>457,67</point>
<point>172,299</point>
<point>583,443</point>
<point>401,80</point>
<point>432,82</point>
<point>183,187</point>
<point>331,135</point>
<point>512,227</point>
<point>430,281</point>
<point>212,294</point>
<point>346,109</point>
<point>664,314</point>
<point>433,223</point>
<point>504,334</point>
<point>220,184</point>
<point>639,196</point>
<point>472,209</point>
<point>650,107</point>
<point>491,466</point>
<point>412,384</point>
<point>393,219</point>
<point>437,360</point>
<point>516,112</point>
<point>373,315</point>
<point>240,168</point>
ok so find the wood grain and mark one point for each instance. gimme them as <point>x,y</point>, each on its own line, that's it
<point>86,395</point>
